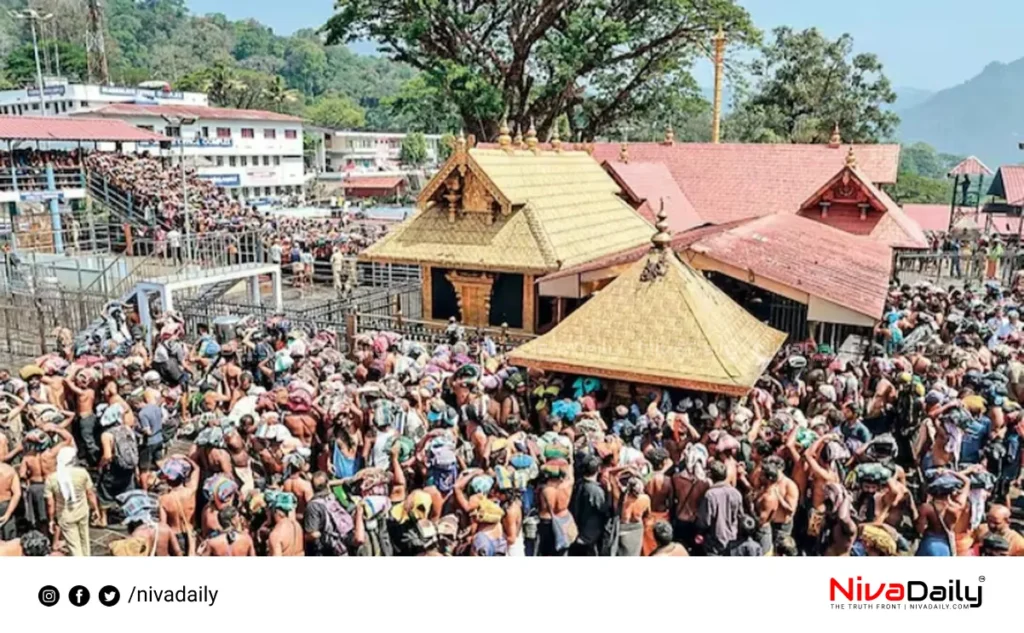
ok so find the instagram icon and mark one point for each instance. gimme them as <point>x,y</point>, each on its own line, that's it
<point>49,596</point>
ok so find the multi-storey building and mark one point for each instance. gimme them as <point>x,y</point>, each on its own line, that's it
<point>344,150</point>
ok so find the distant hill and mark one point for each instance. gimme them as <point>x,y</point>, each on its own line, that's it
<point>907,97</point>
<point>983,116</point>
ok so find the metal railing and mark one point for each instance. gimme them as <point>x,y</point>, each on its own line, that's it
<point>949,268</point>
<point>33,179</point>
<point>434,333</point>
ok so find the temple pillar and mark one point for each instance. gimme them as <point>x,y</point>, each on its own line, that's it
<point>529,307</point>
<point>427,288</point>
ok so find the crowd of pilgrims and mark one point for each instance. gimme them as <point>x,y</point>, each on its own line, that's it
<point>156,190</point>
<point>264,439</point>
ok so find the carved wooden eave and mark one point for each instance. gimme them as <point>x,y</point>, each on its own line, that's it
<point>846,187</point>
<point>461,186</point>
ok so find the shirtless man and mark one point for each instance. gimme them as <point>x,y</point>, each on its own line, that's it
<point>689,485</point>
<point>286,536</point>
<point>297,484</point>
<point>554,507</point>
<point>659,489</point>
<point>233,541</point>
<point>241,462</point>
<point>636,506</point>
<point>39,462</point>
<point>32,543</point>
<point>775,503</point>
<point>822,474</point>
<point>10,496</point>
<point>79,383</point>
<point>179,506</point>
<point>158,535</point>
<point>302,425</point>
<point>938,516</point>
<point>997,522</point>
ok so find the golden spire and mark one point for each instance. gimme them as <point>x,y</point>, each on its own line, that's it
<point>460,142</point>
<point>517,142</point>
<point>836,140</point>
<point>504,140</point>
<point>662,238</point>
<point>556,141</point>
<point>670,135</point>
<point>531,138</point>
<point>623,153</point>
<point>851,159</point>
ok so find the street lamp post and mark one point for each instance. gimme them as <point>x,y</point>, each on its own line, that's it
<point>34,16</point>
<point>180,123</point>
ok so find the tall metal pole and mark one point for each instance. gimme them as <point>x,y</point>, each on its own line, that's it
<point>39,69</point>
<point>184,198</point>
<point>716,122</point>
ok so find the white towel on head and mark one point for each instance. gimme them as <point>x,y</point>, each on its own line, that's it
<point>65,459</point>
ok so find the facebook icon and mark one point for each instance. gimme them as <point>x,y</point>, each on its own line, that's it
<point>79,596</point>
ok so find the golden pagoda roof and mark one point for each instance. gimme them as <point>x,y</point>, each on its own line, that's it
<point>557,208</point>
<point>660,323</point>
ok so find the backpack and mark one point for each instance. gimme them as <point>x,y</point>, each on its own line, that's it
<point>126,449</point>
<point>441,455</point>
<point>338,525</point>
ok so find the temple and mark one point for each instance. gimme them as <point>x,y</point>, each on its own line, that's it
<point>492,221</point>
<point>659,323</point>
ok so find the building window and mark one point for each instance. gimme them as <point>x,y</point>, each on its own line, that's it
<point>206,132</point>
<point>85,104</point>
<point>266,161</point>
<point>277,161</point>
<point>255,160</point>
<point>223,132</point>
<point>247,132</point>
<point>291,134</point>
<point>148,128</point>
<point>266,191</point>
<point>232,162</point>
<point>220,161</point>
<point>269,133</point>
<point>245,161</point>
<point>35,106</point>
<point>172,131</point>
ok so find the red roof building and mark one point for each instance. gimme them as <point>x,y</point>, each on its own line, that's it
<point>373,186</point>
<point>970,166</point>
<point>851,203</point>
<point>29,128</point>
<point>190,111</point>
<point>1009,185</point>
<point>646,185</point>
<point>934,218</point>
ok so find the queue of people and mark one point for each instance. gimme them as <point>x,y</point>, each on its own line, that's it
<point>268,440</point>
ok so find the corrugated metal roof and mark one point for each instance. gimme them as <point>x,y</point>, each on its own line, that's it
<point>18,128</point>
<point>201,112</point>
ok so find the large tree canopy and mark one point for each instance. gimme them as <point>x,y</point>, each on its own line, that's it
<point>804,84</point>
<point>601,62</point>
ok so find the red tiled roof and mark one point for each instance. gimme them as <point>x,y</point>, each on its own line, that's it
<point>930,217</point>
<point>372,182</point>
<point>1003,225</point>
<point>970,166</point>
<point>886,223</point>
<point>1012,177</point>
<point>647,184</point>
<point>797,252</point>
<point>202,112</point>
<point>732,181</point>
<point>680,241</point>
<point>16,128</point>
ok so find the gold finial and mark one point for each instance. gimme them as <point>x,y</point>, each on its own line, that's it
<point>504,140</point>
<point>460,142</point>
<point>517,142</point>
<point>670,135</point>
<point>531,138</point>
<point>556,141</point>
<point>588,147</point>
<point>836,140</point>
<point>851,159</point>
<point>662,238</point>
<point>623,153</point>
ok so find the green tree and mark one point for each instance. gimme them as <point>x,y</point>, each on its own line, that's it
<point>305,64</point>
<point>337,113</point>
<point>804,84</point>
<point>914,188</point>
<point>446,146</point>
<point>279,96</point>
<point>420,107</point>
<point>599,62</point>
<point>414,149</point>
<point>21,62</point>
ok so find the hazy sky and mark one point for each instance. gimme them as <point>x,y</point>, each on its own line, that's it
<point>929,44</point>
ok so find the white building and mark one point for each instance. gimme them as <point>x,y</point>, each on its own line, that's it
<point>253,153</point>
<point>344,150</point>
<point>60,97</point>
